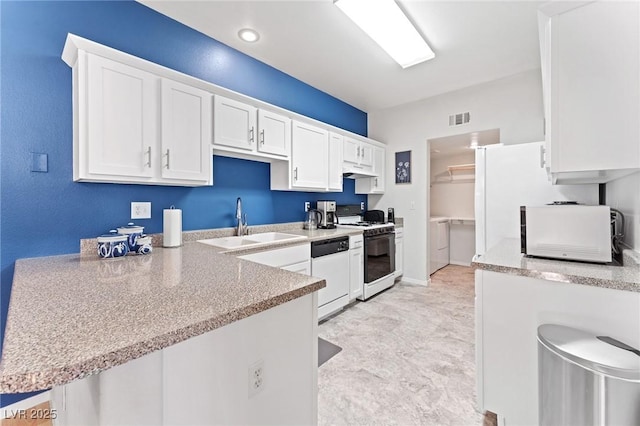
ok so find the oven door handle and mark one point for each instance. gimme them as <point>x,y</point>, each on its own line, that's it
<point>381,236</point>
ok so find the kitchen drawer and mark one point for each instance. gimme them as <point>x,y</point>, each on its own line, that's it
<point>281,257</point>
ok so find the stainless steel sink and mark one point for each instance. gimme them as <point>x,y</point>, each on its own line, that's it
<point>247,241</point>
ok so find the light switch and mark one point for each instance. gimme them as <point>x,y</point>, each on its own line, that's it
<point>39,162</point>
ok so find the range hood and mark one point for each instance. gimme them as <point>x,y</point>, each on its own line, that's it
<point>353,173</point>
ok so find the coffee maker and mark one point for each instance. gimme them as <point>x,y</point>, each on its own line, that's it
<point>328,211</point>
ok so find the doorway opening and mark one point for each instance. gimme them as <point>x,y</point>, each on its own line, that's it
<point>451,196</point>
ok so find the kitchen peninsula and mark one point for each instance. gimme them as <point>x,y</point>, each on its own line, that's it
<point>515,294</point>
<point>165,338</point>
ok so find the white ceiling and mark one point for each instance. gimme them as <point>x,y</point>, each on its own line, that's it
<point>313,41</point>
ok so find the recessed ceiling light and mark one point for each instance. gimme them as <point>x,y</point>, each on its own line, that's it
<point>248,35</point>
<point>387,25</point>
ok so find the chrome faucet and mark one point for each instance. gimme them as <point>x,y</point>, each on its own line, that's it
<point>242,228</point>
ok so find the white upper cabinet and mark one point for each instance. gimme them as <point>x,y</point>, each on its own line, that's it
<point>138,122</point>
<point>243,128</point>
<point>274,133</point>
<point>358,153</point>
<point>374,185</point>
<point>379,157</point>
<point>128,123</point>
<point>308,168</point>
<point>590,68</point>
<point>117,108</point>
<point>235,124</point>
<point>186,132</point>
<point>309,156</point>
<point>336,141</point>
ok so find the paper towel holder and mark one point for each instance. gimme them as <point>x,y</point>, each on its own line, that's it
<point>172,227</point>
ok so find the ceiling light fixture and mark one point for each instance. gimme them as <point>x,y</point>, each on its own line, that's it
<point>387,25</point>
<point>248,35</point>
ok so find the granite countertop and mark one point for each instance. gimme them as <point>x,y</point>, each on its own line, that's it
<point>75,315</point>
<point>505,257</point>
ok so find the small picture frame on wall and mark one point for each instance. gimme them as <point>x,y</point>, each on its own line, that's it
<point>403,167</point>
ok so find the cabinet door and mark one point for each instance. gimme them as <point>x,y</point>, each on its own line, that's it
<point>309,156</point>
<point>590,57</point>
<point>399,252</point>
<point>234,124</point>
<point>351,152</point>
<point>301,268</point>
<point>356,266</point>
<point>121,120</point>
<point>598,86</point>
<point>378,167</point>
<point>366,154</point>
<point>186,132</point>
<point>335,161</point>
<point>274,133</point>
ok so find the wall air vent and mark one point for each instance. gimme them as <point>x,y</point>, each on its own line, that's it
<point>458,119</point>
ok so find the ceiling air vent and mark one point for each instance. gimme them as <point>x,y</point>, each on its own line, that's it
<point>458,119</point>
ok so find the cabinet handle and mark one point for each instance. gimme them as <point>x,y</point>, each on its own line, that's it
<point>541,157</point>
<point>376,182</point>
<point>262,137</point>
<point>167,154</point>
<point>251,136</point>
<point>358,153</point>
<point>295,174</point>
<point>149,158</point>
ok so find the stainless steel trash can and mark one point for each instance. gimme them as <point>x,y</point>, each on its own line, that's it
<point>583,380</point>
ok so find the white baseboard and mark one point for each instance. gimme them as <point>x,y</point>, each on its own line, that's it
<point>459,263</point>
<point>415,281</point>
<point>25,404</point>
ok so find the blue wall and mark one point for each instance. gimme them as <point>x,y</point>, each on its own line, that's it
<point>47,213</point>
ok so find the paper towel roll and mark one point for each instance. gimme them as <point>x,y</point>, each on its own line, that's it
<point>172,227</point>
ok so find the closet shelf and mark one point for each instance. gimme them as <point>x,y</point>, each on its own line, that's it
<point>461,167</point>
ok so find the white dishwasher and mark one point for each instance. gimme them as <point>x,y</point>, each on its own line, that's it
<point>330,261</point>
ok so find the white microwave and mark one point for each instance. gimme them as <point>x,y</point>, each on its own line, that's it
<point>568,232</point>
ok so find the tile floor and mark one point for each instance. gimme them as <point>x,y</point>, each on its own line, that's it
<point>407,358</point>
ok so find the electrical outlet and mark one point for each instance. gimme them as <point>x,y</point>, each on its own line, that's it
<point>307,206</point>
<point>140,210</point>
<point>256,378</point>
<point>362,205</point>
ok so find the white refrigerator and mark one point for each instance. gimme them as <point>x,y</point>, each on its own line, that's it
<point>510,176</point>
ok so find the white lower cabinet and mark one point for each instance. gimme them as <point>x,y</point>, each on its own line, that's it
<point>356,266</point>
<point>438,244</point>
<point>131,126</point>
<point>399,252</point>
<point>509,308</point>
<point>301,268</point>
